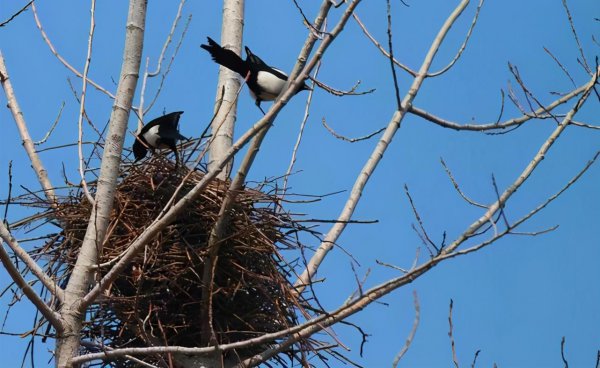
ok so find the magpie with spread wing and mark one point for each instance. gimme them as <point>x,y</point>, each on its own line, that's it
<point>265,82</point>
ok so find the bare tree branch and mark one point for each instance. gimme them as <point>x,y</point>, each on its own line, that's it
<point>377,154</point>
<point>86,69</point>
<point>36,162</point>
<point>527,171</point>
<point>537,114</point>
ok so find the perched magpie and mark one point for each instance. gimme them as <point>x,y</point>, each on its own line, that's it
<point>265,82</point>
<point>161,132</point>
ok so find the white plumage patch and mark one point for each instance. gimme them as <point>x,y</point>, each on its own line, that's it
<point>151,136</point>
<point>270,85</point>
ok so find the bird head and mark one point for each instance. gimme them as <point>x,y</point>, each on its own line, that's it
<point>305,87</point>
<point>253,59</point>
<point>139,150</point>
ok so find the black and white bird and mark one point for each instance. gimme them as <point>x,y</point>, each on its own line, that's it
<point>265,82</point>
<point>161,132</point>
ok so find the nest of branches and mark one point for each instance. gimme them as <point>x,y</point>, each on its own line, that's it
<point>158,301</point>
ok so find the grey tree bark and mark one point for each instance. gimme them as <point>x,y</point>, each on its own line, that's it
<point>227,87</point>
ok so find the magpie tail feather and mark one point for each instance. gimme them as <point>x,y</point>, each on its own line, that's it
<point>226,58</point>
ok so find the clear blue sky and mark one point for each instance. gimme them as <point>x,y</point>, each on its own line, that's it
<point>513,300</point>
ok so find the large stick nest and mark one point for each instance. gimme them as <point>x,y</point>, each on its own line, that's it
<point>158,301</point>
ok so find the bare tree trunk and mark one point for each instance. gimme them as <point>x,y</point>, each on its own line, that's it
<point>227,87</point>
<point>82,275</point>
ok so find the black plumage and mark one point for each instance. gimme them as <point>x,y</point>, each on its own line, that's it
<point>161,132</point>
<point>265,82</point>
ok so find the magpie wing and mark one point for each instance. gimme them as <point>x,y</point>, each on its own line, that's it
<point>227,58</point>
<point>170,120</point>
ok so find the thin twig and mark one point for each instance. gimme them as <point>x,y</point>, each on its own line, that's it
<point>172,59</point>
<point>380,47</point>
<point>9,195</point>
<point>85,115</point>
<point>426,239</point>
<point>475,358</point>
<point>562,352</point>
<point>562,67</point>
<point>455,184</point>
<point>307,22</point>
<point>464,44</point>
<point>43,140</point>
<point>412,333</point>
<point>86,69</point>
<point>351,140</point>
<point>391,58</point>
<point>451,335</point>
<point>336,92</point>
<point>16,14</point>
<point>572,25</point>
<point>391,266</point>
<point>302,126</point>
